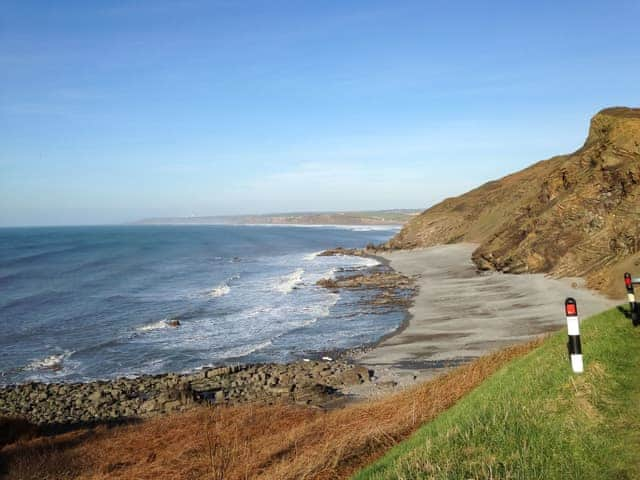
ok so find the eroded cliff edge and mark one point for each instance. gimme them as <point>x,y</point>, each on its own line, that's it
<point>571,215</point>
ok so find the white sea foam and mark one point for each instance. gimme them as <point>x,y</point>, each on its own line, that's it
<point>289,282</point>
<point>330,273</point>
<point>220,291</point>
<point>320,310</point>
<point>301,323</point>
<point>259,311</point>
<point>367,262</point>
<point>355,228</point>
<point>307,322</point>
<point>244,350</point>
<point>312,256</point>
<point>153,326</point>
<point>52,362</point>
<point>223,288</point>
<point>373,228</point>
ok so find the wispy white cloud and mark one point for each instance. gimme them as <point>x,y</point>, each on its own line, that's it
<point>334,186</point>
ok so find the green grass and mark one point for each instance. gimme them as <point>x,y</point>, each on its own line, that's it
<point>535,419</point>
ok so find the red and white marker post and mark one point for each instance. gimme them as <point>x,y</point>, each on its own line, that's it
<point>573,328</point>
<point>633,306</point>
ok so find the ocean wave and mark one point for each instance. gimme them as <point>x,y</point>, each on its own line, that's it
<point>367,262</point>
<point>220,291</point>
<point>300,325</point>
<point>330,273</point>
<point>312,256</point>
<point>33,258</point>
<point>52,362</point>
<point>254,312</point>
<point>320,310</point>
<point>45,297</point>
<point>289,282</point>
<point>12,277</point>
<point>223,288</point>
<point>244,350</point>
<point>153,326</point>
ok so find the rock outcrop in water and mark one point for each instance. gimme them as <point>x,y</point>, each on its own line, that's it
<point>571,215</point>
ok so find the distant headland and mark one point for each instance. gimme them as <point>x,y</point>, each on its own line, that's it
<point>373,217</point>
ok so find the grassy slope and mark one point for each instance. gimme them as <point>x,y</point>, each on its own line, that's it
<point>535,419</point>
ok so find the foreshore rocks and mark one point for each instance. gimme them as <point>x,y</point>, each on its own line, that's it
<point>354,252</point>
<point>393,289</point>
<point>369,251</point>
<point>388,279</point>
<point>308,382</point>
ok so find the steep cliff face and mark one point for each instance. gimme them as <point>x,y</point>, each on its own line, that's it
<point>571,215</point>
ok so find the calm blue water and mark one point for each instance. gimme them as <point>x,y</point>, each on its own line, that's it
<point>81,303</point>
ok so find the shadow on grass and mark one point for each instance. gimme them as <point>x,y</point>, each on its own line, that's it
<point>624,310</point>
<point>21,439</point>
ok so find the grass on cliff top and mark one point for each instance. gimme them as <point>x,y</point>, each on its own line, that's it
<point>534,419</point>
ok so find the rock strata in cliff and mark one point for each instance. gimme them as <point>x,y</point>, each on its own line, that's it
<point>571,215</point>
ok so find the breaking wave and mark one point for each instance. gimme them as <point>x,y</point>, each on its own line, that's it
<point>52,362</point>
<point>244,350</point>
<point>320,310</point>
<point>312,256</point>
<point>223,288</point>
<point>220,291</point>
<point>153,326</point>
<point>367,262</point>
<point>290,282</point>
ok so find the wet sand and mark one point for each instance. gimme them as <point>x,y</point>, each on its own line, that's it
<point>460,313</point>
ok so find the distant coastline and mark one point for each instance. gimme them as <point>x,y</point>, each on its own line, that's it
<point>375,217</point>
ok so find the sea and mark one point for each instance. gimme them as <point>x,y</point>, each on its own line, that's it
<point>86,303</point>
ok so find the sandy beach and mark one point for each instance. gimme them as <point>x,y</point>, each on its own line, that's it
<point>460,313</point>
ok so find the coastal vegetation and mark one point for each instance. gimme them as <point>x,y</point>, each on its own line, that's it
<point>535,419</point>
<point>280,441</point>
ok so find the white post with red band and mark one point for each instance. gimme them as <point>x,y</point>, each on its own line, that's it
<point>573,328</point>
<point>633,305</point>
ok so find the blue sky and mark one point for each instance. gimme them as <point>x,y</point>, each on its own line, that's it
<point>116,110</point>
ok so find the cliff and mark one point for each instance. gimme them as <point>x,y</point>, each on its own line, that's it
<point>571,215</point>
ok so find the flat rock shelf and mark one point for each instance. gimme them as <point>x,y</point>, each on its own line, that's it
<point>316,383</point>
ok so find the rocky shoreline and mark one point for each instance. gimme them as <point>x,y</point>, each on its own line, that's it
<point>393,289</point>
<point>315,383</point>
<point>318,383</point>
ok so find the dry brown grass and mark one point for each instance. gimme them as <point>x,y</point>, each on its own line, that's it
<point>250,441</point>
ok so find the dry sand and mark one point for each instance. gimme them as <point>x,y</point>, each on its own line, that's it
<point>460,314</point>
